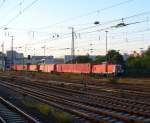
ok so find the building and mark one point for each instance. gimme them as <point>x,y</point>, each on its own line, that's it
<point>67,58</point>
<point>2,61</point>
<point>16,55</point>
<point>13,57</point>
<point>93,57</point>
<point>42,59</point>
<point>58,60</point>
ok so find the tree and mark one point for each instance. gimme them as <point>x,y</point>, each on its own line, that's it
<point>134,62</point>
<point>100,59</point>
<point>81,59</point>
<point>139,65</point>
<point>115,57</point>
<point>147,53</point>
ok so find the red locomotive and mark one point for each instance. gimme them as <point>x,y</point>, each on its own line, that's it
<point>102,69</point>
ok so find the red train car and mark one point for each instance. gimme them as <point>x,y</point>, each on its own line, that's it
<point>47,68</point>
<point>19,67</point>
<point>32,67</point>
<point>73,68</point>
<point>106,68</point>
<point>103,68</point>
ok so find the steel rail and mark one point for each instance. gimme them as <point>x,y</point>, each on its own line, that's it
<point>2,120</point>
<point>100,95</point>
<point>52,103</point>
<point>114,106</point>
<point>17,110</point>
<point>80,105</point>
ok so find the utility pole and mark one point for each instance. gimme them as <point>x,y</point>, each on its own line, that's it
<point>106,42</point>
<point>44,50</point>
<point>106,52</point>
<point>72,45</point>
<point>3,57</point>
<point>12,48</point>
<point>34,51</point>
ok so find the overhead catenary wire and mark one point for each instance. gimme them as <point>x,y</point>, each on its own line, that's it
<point>12,9</point>
<point>90,27</point>
<point>87,14</point>
<point>118,20</point>
<point>20,13</point>
<point>69,34</point>
<point>111,27</point>
<point>2,3</point>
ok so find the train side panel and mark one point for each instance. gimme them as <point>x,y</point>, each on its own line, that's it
<point>82,68</point>
<point>25,67</point>
<point>47,68</point>
<point>103,68</point>
<point>64,68</point>
<point>19,67</point>
<point>98,68</point>
<point>41,68</point>
<point>73,68</point>
<point>111,69</point>
<point>33,67</point>
<point>13,67</point>
<point>51,68</point>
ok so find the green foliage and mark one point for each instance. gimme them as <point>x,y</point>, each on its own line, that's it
<point>139,66</point>
<point>147,53</point>
<point>81,59</point>
<point>100,59</point>
<point>113,80</point>
<point>43,108</point>
<point>115,57</point>
<point>61,117</point>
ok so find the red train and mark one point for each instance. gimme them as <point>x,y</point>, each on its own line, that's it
<point>101,69</point>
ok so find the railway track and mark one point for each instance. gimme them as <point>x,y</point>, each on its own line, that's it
<point>11,114</point>
<point>115,103</point>
<point>128,94</point>
<point>90,111</point>
<point>130,87</point>
<point>134,89</point>
<point>118,90</point>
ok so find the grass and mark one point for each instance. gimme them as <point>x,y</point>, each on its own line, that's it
<point>113,80</point>
<point>60,116</point>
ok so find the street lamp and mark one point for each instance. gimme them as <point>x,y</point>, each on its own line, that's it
<point>96,22</point>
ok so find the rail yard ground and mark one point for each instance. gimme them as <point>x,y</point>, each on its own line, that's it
<point>51,98</point>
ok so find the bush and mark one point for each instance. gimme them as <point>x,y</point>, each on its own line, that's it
<point>60,116</point>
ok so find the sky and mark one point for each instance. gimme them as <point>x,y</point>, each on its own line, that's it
<point>46,23</point>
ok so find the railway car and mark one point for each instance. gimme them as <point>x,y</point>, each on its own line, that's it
<point>103,69</point>
<point>73,68</point>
